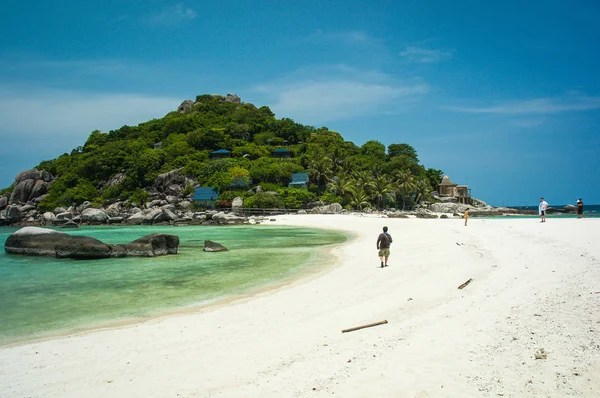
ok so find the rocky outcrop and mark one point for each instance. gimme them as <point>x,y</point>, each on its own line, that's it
<point>165,182</point>
<point>185,106</point>
<point>3,202</point>
<point>29,185</point>
<point>210,246</point>
<point>36,241</point>
<point>224,218</point>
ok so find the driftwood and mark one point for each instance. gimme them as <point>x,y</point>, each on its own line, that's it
<point>365,326</point>
<point>466,283</point>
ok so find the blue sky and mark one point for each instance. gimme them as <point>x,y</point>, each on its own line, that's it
<point>502,96</point>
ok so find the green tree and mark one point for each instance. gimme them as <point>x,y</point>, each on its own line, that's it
<point>319,170</point>
<point>406,185</point>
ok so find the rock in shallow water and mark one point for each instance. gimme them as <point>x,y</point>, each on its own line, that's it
<point>35,241</point>
<point>210,246</point>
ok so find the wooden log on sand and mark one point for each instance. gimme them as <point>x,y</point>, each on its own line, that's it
<point>365,326</point>
<point>466,283</point>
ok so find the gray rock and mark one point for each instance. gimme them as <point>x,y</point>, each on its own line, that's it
<point>94,216</point>
<point>62,217</point>
<point>210,246</point>
<point>570,208</point>
<point>172,199</point>
<point>185,106</point>
<point>136,218</point>
<point>155,203</point>
<point>163,181</point>
<point>3,202</point>
<point>237,205</point>
<point>59,210</point>
<point>45,242</point>
<point>333,208</point>
<point>114,209</point>
<point>135,210</point>
<point>83,206</point>
<point>12,214</point>
<point>185,204</point>
<point>115,220</point>
<point>48,217</point>
<point>302,212</point>
<point>152,245</point>
<point>114,180</point>
<point>30,184</point>
<point>24,209</point>
<point>154,216</point>
<point>169,215</point>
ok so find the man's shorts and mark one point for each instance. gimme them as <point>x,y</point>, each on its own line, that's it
<point>384,252</point>
<point>543,212</point>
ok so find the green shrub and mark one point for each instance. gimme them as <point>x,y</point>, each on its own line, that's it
<point>330,197</point>
<point>295,198</point>
<point>262,200</point>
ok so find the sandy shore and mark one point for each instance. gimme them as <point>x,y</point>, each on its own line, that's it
<point>534,286</point>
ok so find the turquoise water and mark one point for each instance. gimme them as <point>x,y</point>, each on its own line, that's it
<point>41,296</point>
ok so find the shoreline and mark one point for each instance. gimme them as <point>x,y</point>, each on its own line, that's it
<point>302,274</point>
<point>439,341</point>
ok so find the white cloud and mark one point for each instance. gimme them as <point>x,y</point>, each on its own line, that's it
<point>34,114</point>
<point>172,16</point>
<point>424,55</point>
<point>538,106</point>
<point>348,37</point>
<point>337,93</point>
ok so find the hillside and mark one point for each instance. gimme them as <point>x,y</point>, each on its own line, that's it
<point>125,164</point>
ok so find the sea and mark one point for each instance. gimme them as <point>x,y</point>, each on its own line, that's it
<point>41,296</point>
<point>589,211</point>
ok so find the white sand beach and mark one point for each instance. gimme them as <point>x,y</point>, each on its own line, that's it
<point>535,286</point>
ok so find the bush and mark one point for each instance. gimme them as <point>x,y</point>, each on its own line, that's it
<point>262,200</point>
<point>295,198</point>
<point>188,190</point>
<point>330,197</point>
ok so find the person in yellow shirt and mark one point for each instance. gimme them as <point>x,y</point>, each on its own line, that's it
<point>466,216</point>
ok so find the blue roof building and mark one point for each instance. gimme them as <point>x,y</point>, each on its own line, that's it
<point>205,196</point>
<point>220,154</point>
<point>299,180</point>
<point>281,153</point>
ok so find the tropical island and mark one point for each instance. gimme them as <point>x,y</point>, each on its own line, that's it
<point>219,152</point>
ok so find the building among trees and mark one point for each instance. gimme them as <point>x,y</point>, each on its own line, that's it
<point>205,196</point>
<point>461,193</point>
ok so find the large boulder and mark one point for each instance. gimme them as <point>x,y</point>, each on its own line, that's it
<point>447,208</point>
<point>224,218</point>
<point>152,245</point>
<point>30,184</point>
<point>3,202</point>
<point>210,246</point>
<point>163,181</point>
<point>136,218</point>
<point>48,218</point>
<point>94,216</point>
<point>185,106</point>
<point>333,208</point>
<point>37,241</point>
<point>154,216</point>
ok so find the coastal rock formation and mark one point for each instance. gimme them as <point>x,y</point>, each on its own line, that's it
<point>169,182</point>
<point>3,202</point>
<point>35,241</point>
<point>185,106</point>
<point>136,219</point>
<point>29,185</point>
<point>210,246</point>
<point>224,218</point>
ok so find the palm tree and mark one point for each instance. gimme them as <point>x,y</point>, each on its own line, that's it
<point>383,186</point>
<point>359,199</point>
<point>319,169</point>
<point>406,185</point>
<point>363,181</point>
<point>341,185</point>
<point>422,189</point>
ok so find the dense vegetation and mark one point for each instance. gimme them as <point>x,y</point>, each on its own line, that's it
<point>370,175</point>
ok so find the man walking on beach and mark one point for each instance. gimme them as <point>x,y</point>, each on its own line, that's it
<point>384,240</point>
<point>542,208</point>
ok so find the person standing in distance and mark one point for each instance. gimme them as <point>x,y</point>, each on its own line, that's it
<point>384,240</point>
<point>542,208</point>
<point>580,208</point>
